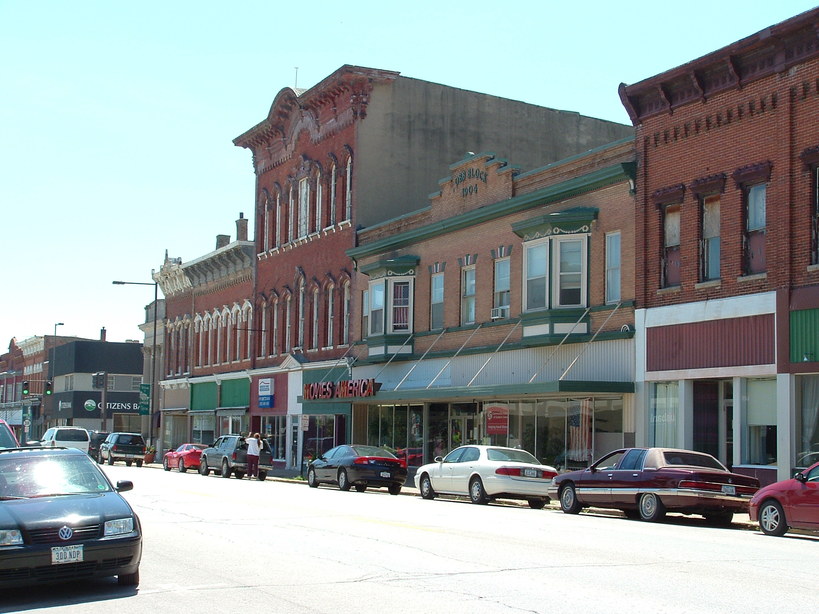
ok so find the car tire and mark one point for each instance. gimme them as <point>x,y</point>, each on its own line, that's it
<point>139,463</point>
<point>772,519</point>
<point>203,466</point>
<point>128,463</point>
<point>110,459</point>
<point>360,487</point>
<point>99,458</point>
<point>312,482</point>
<point>128,579</point>
<point>180,467</point>
<point>651,507</point>
<point>165,464</point>
<point>239,474</point>
<point>720,519</point>
<point>537,504</point>
<point>425,486</point>
<point>262,476</point>
<point>394,489</point>
<point>225,469</point>
<point>568,500</point>
<point>476,492</point>
<point>343,480</point>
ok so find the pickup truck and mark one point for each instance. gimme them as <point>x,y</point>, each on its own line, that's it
<point>128,447</point>
<point>228,456</point>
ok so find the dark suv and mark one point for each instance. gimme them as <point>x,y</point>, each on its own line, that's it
<point>97,437</point>
<point>128,447</point>
<point>228,455</point>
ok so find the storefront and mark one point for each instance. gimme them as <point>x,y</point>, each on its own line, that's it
<point>269,412</point>
<point>326,409</point>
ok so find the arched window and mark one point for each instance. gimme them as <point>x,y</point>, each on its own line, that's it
<point>291,214</point>
<point>348,188</point>
<point>288,315</point>
<point>333,196</point>
<point>279,238</point>
<point>247,316</point>
<point>330,315</point>
<point>345,334</point>
<point>266,221</point>
<point>263,337</point>
<point>302,307</point>
<point>318,222</point>
<point>314,342</point>
<point>304,207</point>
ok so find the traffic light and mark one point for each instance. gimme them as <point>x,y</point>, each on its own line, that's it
<point>99,380</point>
<point>25,388</point>
<point>48,389</point>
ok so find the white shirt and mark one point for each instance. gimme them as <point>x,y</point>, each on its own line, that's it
<point>252,446</point>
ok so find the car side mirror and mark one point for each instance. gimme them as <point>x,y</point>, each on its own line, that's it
<point>439,459</point>
<point>124,485</point>
<point>800,477</point>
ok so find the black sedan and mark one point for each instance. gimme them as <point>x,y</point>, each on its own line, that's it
<point>62,520</point>
<point>359,467</point>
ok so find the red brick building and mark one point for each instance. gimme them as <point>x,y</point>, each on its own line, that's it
<point>726,247</point>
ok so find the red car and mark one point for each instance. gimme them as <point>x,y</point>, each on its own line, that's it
<point>789,504</point>
<point>646,483</point>
<point>184,457</point>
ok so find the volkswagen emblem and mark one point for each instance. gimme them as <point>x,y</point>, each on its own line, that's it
<point>66,533</point>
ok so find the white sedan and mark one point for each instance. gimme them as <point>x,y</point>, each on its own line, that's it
<point>485,473</point>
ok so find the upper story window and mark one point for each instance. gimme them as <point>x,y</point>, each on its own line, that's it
<point>266,223</point>
<point>365,313</point>
<point>333,183</point>
<point>304,206</point>
<point>613,267</point>
<point>710,247</point>
<point>331,308</point>
<point>348,189</point>
<point>436,301</point>
<point>317,222</point>
<point>390,306</point>
<point>314,327</point>
<point>755,261</point>
<point>291,215</point>
<point>570,278</point>
<point>468,295</point>
<point>671,246</point>
<point>537,265</point>
<point>555,273</point>
<point>502,289</point>
<point>345,316</point>
<point>377,291</point>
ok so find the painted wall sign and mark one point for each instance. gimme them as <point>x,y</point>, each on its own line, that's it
<point>469,174</point>
<point>266,392</point>
<point>497,419</point>
<point>340,390</point>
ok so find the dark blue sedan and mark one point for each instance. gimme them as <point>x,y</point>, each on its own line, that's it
<point>359,467</point>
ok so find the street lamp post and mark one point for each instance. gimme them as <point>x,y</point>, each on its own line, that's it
<point>152,409</point>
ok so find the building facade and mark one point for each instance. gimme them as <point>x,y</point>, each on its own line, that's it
<point>726,247</point>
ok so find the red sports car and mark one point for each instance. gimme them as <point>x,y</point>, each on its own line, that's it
<point>789,504</point>
<point>646,483</point>
<point>184,457</point>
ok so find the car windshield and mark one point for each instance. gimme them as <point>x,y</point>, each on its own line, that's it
<point>6,439</point>
<point>691,459</point>
<point>505,454</point>
<point>372,451</point>
<point>71,435</point>
<point>128,440</point>
<point>46,475</point>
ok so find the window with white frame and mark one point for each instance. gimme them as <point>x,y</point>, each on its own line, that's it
<point>377,308</point>
<point>710,247</point>
<point>279,239</point>
<point>317,224</point>
<point>468,295</point>
<point>314,343</point>
<point>291,215</point>
<point>365,313</point>
<point>570,288</point>
<point>330,316</point>
<point>304,206</point>
<point>266,223</point>
<point>401,304</point>
<point>555,272</point>
<point>671,246</point>
<point>302,312</point>
<point>288,323</point>
<point>436,301</point>
<point>395,316</point>
<point>348,189</point>
<point>536,255</point>
<point>345,336</point>
<point>755,260</point>
<point>502,290</point>
<point>333,185</point>
<point>613,267</point>
<point>274,343</point>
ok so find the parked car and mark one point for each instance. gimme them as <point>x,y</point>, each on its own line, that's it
<point>486,473</point>
<point>646,483</point>
<point>789,504</point>
<point>184,457</point>
<point>66,437</point>
<point>7,437</point>
<point>95,438</point>
<point>62,520</point>
<point>128,447</point>
<point>358,466</point>
<point>228,456</point>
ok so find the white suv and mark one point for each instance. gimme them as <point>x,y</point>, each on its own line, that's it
<point>67,437</point>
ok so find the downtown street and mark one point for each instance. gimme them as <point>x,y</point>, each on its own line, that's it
<point>228,545</point>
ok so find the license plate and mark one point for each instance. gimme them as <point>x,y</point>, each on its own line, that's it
<point>385,474</point>
<point>530,473</point>
<point>729,489</point>
<point>66,554</point>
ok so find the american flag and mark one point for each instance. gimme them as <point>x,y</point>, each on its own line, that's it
<point>580,433</point>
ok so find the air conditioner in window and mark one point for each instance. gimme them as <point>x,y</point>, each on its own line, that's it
<point>499,312</point>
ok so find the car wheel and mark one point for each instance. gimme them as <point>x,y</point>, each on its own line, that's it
<point>203,466</point>
<point>568,500</point>
<point>181,466</point>
<point>426,487</point>
<point>128,579</point>
<point>394,489</point>
<point>225,469</point>
<point>360,487</point>
<point>165,464</point>
<point>772,519</point>
<point>110,459</point>
<point>312,482</point>
<point>99,458</point>
<point>139,463</point>
<point>719,519</point>
<point>537,504</point>
<point>343,480</point>
<point>651,507</point>
<point>128,463</point>
<point>239,474</point>
<point>262,476</point>
<point>476,492</point>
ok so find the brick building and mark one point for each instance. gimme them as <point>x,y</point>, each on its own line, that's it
<point>360,147</point>
<point>503,312</point>
<point>726,246</point>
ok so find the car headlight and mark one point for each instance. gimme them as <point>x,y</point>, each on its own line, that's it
<point>120,526</point>
<point>10,537</point>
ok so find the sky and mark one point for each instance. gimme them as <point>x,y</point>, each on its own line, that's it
<point>117,118</point>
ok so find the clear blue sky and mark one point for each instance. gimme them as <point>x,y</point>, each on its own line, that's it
<point>117,119</point>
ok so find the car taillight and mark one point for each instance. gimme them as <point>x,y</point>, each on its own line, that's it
<point>525,472</point>
<point>233,455</point>
<point>373,460</point>
<point>700,485</point>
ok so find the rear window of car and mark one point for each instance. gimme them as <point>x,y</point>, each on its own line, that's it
<point>691,459</point>
<point>518,456</point>
<point>71,435</point>
<point>127,440</point>
<point>372,451</point>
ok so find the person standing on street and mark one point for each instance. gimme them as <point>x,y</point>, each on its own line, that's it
<point>254,446</point>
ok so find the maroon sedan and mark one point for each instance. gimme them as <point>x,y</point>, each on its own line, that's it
<point>646,483</point>
<point>184,457</point>
<point>789,504</point>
